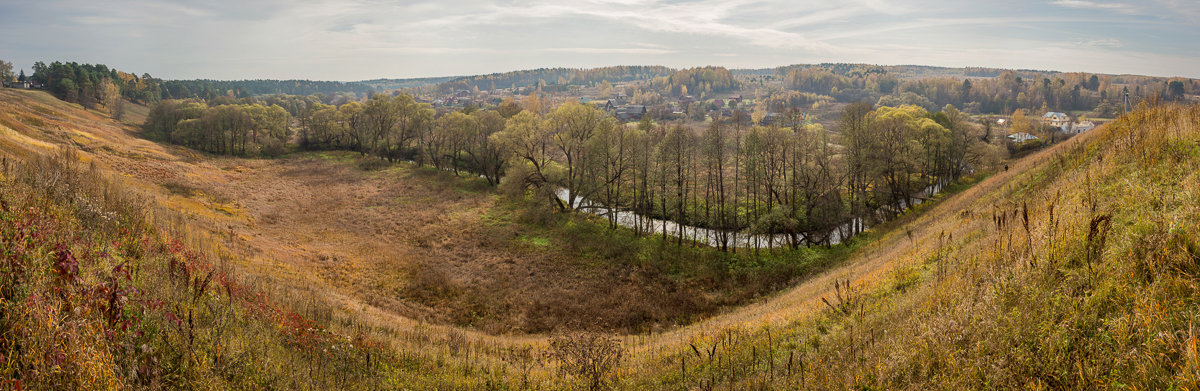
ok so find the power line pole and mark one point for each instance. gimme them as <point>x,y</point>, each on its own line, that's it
<point>1126,101</point>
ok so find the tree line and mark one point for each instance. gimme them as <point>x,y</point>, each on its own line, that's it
<point>400,128</point>
<point>553,76</point>
<point>92,86</point>
<point>992,91</point>
<point>701,82</point>
<point>803,182</point>
<point>234,129</point>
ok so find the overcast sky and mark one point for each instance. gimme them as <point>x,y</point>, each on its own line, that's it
<point>366,39</point>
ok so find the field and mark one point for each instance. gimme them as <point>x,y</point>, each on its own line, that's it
<point>1072,263</point>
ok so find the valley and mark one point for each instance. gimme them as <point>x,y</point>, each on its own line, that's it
<point>424,275</point>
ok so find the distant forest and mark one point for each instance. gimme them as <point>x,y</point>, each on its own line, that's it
<point>556,77</point>
<point>804,87</point>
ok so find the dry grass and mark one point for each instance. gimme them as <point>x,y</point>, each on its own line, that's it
<point>991,288</point>
<point>414,242</point>
<point>1077,270</point>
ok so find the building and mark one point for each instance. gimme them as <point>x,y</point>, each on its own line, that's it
<point>631,112</point>
<point>1058,120</point>
<point>1021,137</point>
<point>1080,127</point>
<point>606,105</point>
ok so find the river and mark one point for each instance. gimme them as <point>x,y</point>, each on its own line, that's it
<point>713,237</point>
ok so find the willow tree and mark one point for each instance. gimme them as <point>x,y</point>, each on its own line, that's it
<point>486,156</point>
<point>571,126</point>
<point>525,138</point>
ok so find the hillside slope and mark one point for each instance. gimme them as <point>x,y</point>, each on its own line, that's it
<point>1077,269</point>
<point>1019,281</point>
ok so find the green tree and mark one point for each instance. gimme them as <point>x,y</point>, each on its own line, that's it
<point>6,75</point>
<point>1175,90</point>
<point>525,138</point>
<point>572,125</point>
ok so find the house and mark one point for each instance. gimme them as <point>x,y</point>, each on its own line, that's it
<point>631,112</point>
<point>1080,127</point>
<point>735,98</point>
<point>1058,120</point>
<point>718,103</point>
<point>1021,137</point>
<point>607,105</point>
<point>771,119</point>
<point>24,85</point>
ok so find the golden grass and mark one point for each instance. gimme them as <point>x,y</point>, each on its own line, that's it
<point>939,297</point>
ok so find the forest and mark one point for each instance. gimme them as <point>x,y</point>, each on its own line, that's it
<point>235,129</point>
<point>97,85</point>
<point>554,76</point>
<point>984,90</point>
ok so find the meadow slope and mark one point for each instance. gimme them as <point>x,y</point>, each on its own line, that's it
<point>921,306</point>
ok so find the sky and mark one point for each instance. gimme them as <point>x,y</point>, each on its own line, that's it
<point>367,39</point>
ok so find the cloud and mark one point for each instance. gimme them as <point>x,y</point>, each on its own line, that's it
<point>1099,43</point>
<point>611,50</point>
<point>362,39</point>
<point>1119,7</point>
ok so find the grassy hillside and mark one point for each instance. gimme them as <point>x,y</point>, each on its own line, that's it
<point>1078,271</point>
<point>415,242</point>
<point>1075,269</point>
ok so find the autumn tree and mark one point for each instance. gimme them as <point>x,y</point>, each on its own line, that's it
<point>110,95</point>
<point>526,137</point>
<point>571,126</point>
<point>6,74</point>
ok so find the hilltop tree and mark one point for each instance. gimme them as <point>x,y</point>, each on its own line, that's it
<point>6,74</point>
<point>1175,90</point>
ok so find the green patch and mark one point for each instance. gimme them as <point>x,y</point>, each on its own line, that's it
<point>535,241</point>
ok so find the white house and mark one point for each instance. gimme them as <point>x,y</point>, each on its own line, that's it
<point>1021,137</point>
<point>1080,127</point>
<point>1058,120</point>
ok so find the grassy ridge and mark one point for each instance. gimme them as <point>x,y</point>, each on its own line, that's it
<point>1081,272</point>
<point>94,297</point>
<point>1077,269</point>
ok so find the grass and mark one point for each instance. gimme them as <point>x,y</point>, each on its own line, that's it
<point>536,241</point>
<point>963,293</point>
<point>1028,286</point>
<point>94,297</point>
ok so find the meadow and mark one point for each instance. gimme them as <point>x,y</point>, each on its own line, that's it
<point>165,267</point>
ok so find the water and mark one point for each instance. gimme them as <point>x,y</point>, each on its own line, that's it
<point>714,237</point>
